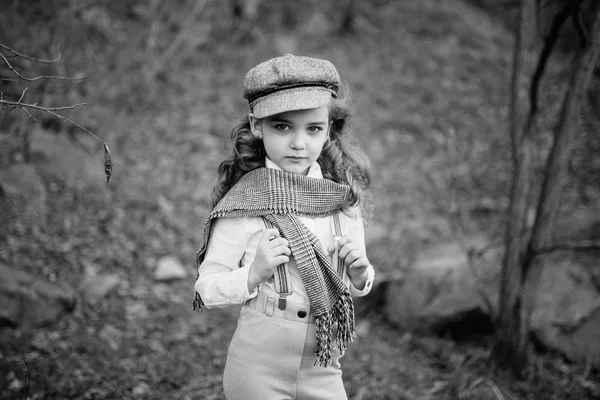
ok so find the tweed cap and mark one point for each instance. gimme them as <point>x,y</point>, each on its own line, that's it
<point>288,83</point>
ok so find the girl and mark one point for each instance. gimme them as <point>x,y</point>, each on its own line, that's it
<point>285,238</point>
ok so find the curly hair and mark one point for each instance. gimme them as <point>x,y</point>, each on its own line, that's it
<point>341,160</point>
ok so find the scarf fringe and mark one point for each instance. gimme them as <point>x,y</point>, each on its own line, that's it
<point>342,316</point>
<point>198,304</point>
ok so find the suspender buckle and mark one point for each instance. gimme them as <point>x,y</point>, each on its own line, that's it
<point>282,303</point>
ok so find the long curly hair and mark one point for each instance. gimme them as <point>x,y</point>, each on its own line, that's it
<point>341,159</point>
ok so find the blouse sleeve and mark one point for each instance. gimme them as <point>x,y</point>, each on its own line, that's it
<point>356,233</point>
<point>221,281</point>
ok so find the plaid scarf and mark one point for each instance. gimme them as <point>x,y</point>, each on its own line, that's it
<point>280,197</point>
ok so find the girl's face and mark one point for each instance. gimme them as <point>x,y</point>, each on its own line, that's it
<point>294,139</point>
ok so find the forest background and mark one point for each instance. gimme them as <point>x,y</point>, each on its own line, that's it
<point>430,85</point>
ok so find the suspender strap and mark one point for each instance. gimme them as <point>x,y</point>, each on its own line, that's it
<point>336,228</point>
<point>281,277</point>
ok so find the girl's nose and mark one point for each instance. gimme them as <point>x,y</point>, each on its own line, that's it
<point>297,142</point>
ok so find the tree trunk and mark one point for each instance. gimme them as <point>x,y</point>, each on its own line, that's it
<point>516,301</point>
<point>508,352</point>
<point>557,165</point>
<point>564,139</point>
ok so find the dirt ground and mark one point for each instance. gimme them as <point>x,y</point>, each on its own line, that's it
<point>427,78</point>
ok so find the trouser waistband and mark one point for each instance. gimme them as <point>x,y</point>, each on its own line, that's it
<point>268,305</point>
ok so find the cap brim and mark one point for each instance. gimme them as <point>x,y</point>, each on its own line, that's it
<point>291,100</point>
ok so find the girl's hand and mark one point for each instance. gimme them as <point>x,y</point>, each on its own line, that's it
<point>272,250</point>
<point>355,259</point>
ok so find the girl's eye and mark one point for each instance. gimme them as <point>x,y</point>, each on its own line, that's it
<point>315,129</point>
<point>282,127</point>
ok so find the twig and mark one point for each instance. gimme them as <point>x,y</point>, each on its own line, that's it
<point>51,111</point>
<point>26,111</point>
<point>14,71</point>
<point>464,393</point>
<point>108,163</point>
<point>588,368</point>
<point>25,56</point>
<point>198,8</point>
<point>557,23</point>
<point>9,135</point>
<point>16,104</point>
<point>496,390</point>
<point>22,95</point>
<point>26,394</point>
<point>577,18</point>
<point>576,245</point>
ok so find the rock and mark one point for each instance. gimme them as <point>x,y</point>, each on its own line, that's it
<point>136,310</point>
<point>566,315</point>
<point>23,192</point>
<point>440,289</point>
<point>28,301</point>
<point>156,346</point>
<point>112,336</point>
<point>15,383</point>
<point>141,389</point>
<point>96,287</point>
<point>169,268</point>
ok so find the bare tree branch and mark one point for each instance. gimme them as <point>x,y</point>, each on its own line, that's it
<point>26,392</point>
<point>25,107</point>
<point>582,33</point>
<point>557,23</point>
<point>25,56</point>
<point>51,111</point>
<point>37,78</point>
<point>496,390</point>
<point>575,245</point>
<point>22,95</point>
<point>564,138</point>
<point>15,104</point>
<point>188,23</point>
<point>28,113</point>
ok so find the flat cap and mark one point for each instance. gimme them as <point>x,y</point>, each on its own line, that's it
<point>289,83</point>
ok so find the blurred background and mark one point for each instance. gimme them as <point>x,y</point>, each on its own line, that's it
<point>96,279</point>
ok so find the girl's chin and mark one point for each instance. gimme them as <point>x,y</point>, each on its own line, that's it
<point>296,169</point>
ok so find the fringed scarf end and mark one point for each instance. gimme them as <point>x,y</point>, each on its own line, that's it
<point>324,328</point>
<point>198,304</point>
<point>342,316</point>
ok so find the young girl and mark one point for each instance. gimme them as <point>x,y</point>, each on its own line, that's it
<point>285,238</point>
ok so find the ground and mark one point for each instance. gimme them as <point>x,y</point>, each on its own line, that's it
<point>429,87</point>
